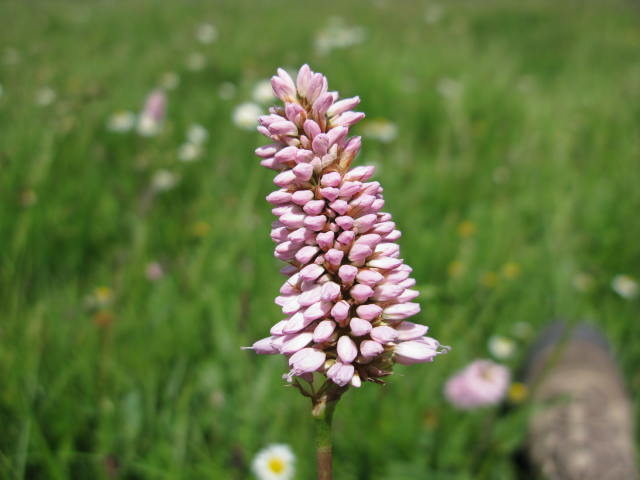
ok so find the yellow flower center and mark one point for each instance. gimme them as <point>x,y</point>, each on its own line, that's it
<point>276,465</point>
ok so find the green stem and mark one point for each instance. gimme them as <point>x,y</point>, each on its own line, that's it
<point>323,414</point>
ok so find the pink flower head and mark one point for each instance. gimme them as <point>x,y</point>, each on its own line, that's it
<point>481,383</point>
<point>347,299</point>
<point>153,114</point>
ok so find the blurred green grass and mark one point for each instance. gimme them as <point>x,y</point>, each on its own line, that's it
<point>519,117</point>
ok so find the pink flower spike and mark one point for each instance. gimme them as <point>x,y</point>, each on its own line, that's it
<point>348,290</point>
<point>306,360</point>
<point>340,374</point>
<point>347,350</point>
<point>481,383</point>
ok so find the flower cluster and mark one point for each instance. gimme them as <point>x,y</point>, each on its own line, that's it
<point>348,295</point>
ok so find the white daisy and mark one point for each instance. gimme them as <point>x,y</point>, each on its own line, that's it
<point>262,92</point>
<point>169,80</point>
<point>501,347</point>
<point>246,115</point>
<point>625,285</point>
<point>188,152</point>
<point>164,180</point>
<point>197,134</point>
<point>226,90</point>
<point>207,33</point>
<point>196,61</point>
<point>275,462</point>
<point>148,126</point>
<point>380,129</point>
<point>45,96</point>
<point>121,121</point>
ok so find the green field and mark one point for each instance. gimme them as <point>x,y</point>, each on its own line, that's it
<point>514,177</point>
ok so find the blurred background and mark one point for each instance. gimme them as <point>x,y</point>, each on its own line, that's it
<point>135,249</point>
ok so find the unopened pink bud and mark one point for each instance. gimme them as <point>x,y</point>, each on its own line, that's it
<point>364,223</point>
<point>323,331</point>
<point>302,197</point>
<point>284,127</point>
<point>330,193</point>
<point>303,171</point>
<point>410,331</point>
<point>347,350</point>
<point>339,206</point>
<point>360,293</point>
<point>331,179</point>
<point>359,253</point>
<point>344,222</point>
<point>325,240</point>
<point>284,179</point>
<point>340,311</point>
<point>400,311</point>
<point>347,119</point>
<point>306,360</point>
<point>341,374</point>
<point>370,311</point>
<point>320,144</point>
<point>414,351</point>
<point>359,327</point>
<point>361,174</point>
<point>408,295</point>
<point>371,348</point>
<point>330,291</point>
<point>369,277</point>
<point>263,346</point>
<point>342,106</point>
<point>384,334</point>
<point>306,253</point>
<point>317,310</point>
<point>278,197</point>
<point>295,342</point>
<point>315,223</point>
<point>334,256</point>
<point>311,272</point>
<point>347,273</point>
<point>386,292</point>
<point>346,238</point>
<point>385,263</point>
<point>296,323</point>
<point>314,207</point>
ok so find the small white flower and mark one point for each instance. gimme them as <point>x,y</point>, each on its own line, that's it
<point>246,115</point>
<point>501,347</point>
<point>262,92</point>
<point>449,88</point>
<point>433,14</point>
<point>337,34</point>
<point>197,134</point>
<point>226,90</point>
<point>625,286</point>
<point>196,61</point>
<point>45,96</point>
<point>147,126</point>
<point>169,80</point>
<point>121,121</point>
<point>583,282</point>
<point>206,33</point>
<point>381,129</point>
<point>188,152</point>
<point>275,462</point>
<point>164,180</point>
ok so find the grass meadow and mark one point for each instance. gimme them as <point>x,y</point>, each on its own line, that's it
<point>513,174</point>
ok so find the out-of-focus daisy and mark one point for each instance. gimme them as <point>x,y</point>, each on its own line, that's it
<point>455,269</point>
<point>583,282</point>
<point>481,383</point>
<point>489,279</point>
<point>121,121</point>
<point>189,152</point>
<point>226,90</point>
<point>197,134</point>
<point>246,115</point>
<point>381,129</point>
<point>336,34</point>
<point>518,393</point>
<point>511,270</point>
<point>206,33</point>
<point>28,197</point>
<point>152,116</point>
<point>466,228</point>
<point>200,229</point>
<point>522,330</point>
<point>196,61</point>
<point>433,14</point>
<point>275,462</point>
<point>45,96</point>
<point>164,180</point>
<point>169,80</point>
<point>501,347</point>
<point>449,88</point>
<point>11,56</point>
<point>262,92</point>
<point>153,271</point>
<point>625,285</point>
